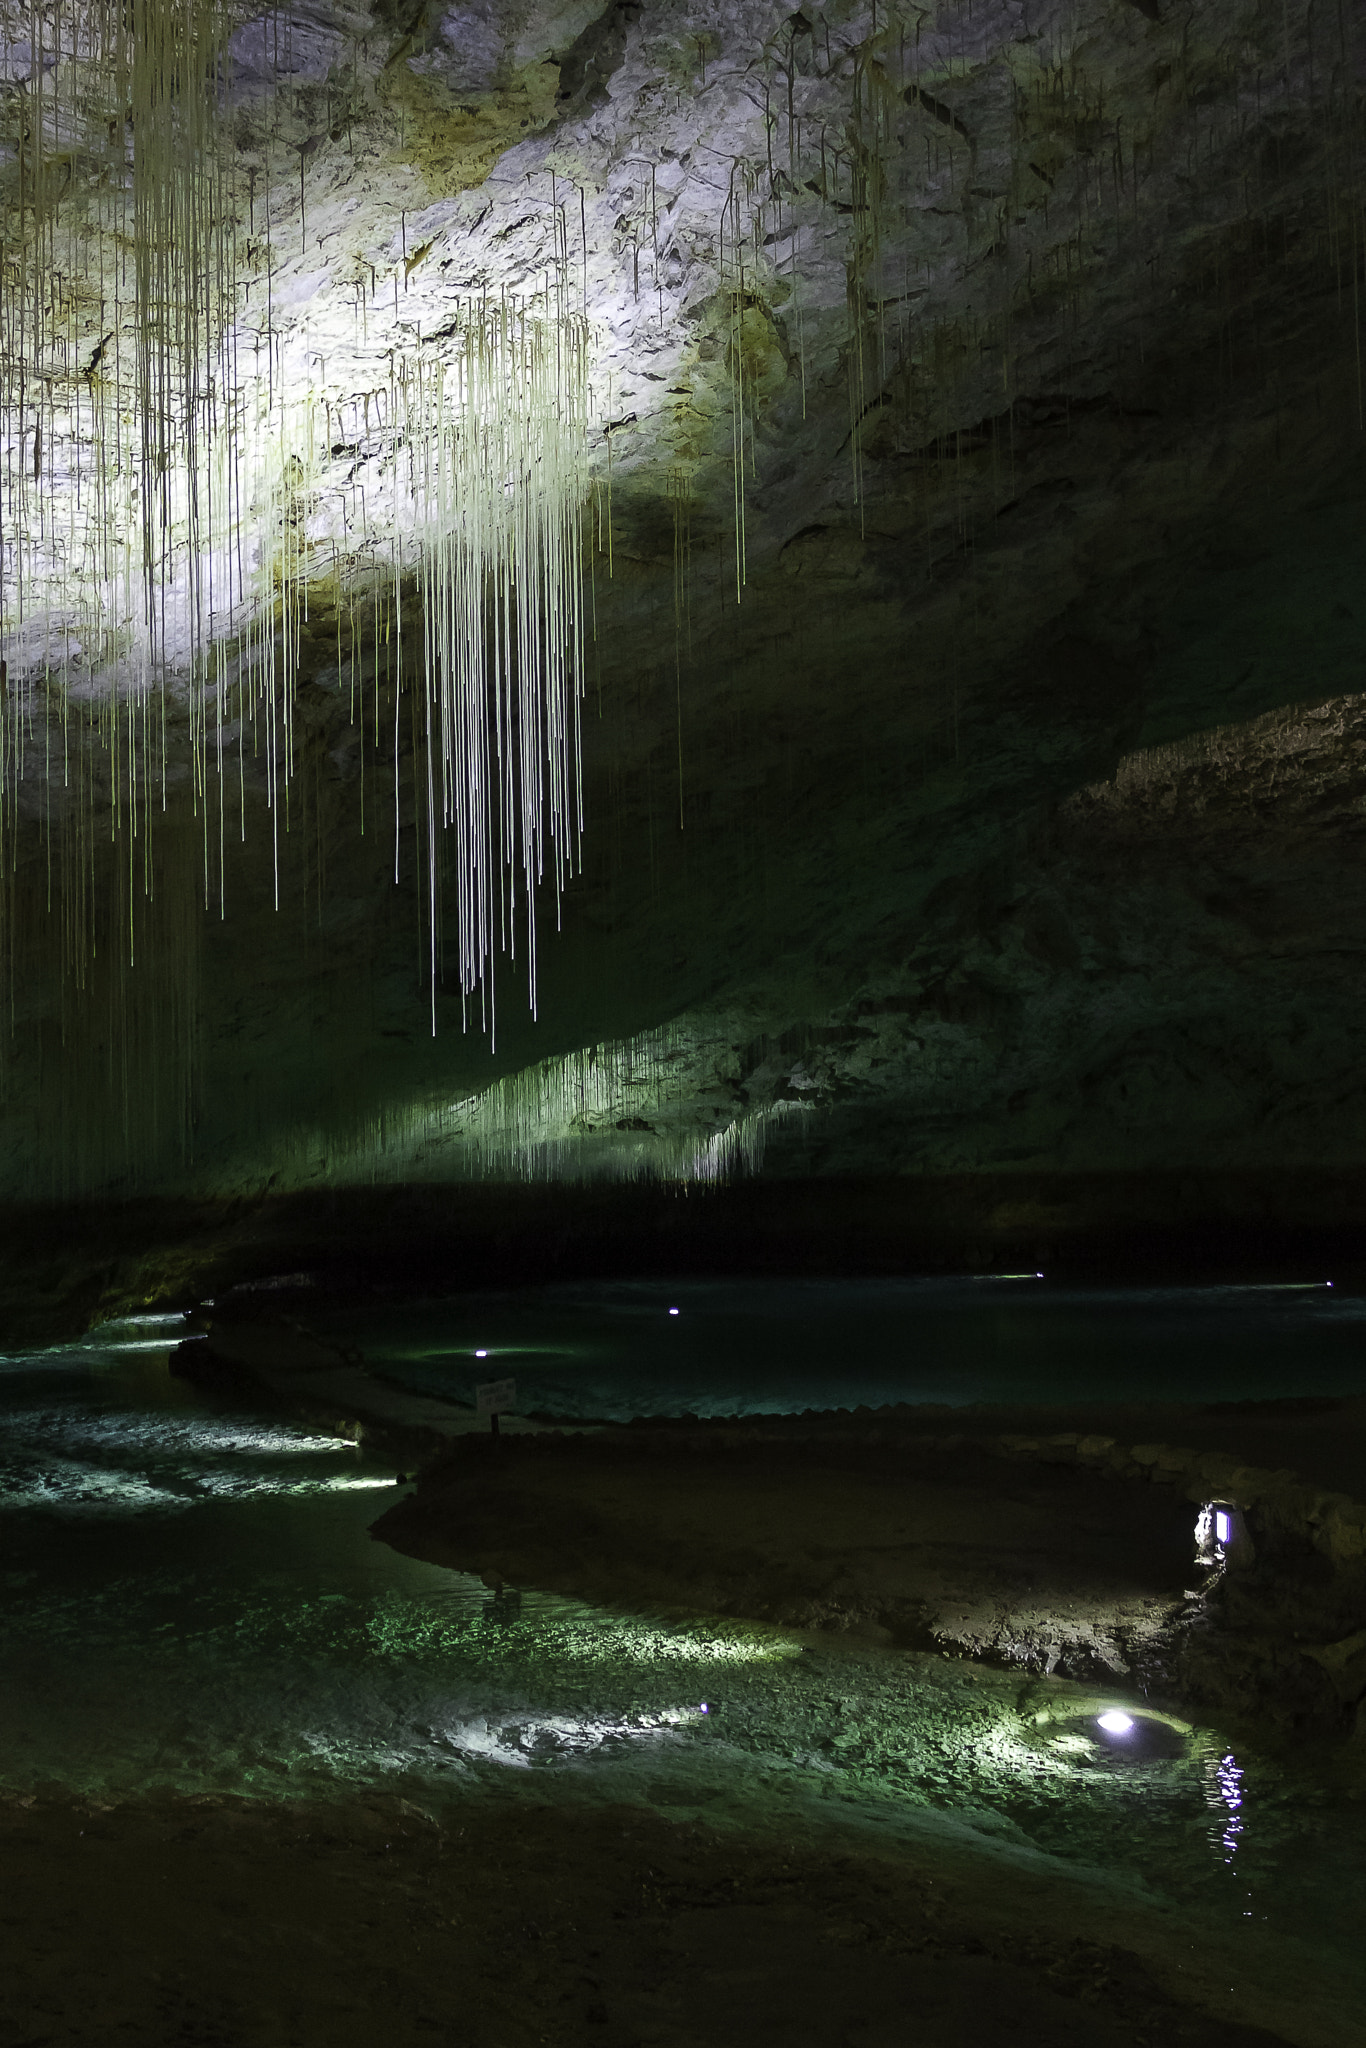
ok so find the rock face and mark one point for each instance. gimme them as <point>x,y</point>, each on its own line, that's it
<point>973,729</point>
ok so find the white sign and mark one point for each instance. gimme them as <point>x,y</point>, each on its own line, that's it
<point>495,1397</point>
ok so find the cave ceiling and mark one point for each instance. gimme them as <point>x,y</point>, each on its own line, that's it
<point>970,519</point>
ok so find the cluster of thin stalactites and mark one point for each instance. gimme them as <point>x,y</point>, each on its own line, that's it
<point>174,495</point>
<point>167,512</point>
<point>624,1110</point>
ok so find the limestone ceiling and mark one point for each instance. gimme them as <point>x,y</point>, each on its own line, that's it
<point>945,364</point>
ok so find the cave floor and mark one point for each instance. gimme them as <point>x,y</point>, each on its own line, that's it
<point>228,1922</point>
<point>1038,1566</point>
<point>265,1779</point>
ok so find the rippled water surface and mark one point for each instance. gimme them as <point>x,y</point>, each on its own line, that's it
<point>192,1599</point>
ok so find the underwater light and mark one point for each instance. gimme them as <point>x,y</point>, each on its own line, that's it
<point>673,1311</point>
<point>1223,1526</point>
<point>1115,1723</point>
<point>703,1709</point>
<point>481,1354</point>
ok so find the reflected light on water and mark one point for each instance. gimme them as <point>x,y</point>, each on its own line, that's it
<point>148,1322</point>
<point>1224,1790</point>
<point>135,1344</point>
<point>600,1351</point>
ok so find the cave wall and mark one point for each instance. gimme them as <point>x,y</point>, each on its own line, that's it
<point>1004,820</point>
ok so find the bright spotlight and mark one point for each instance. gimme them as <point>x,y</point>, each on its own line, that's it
<point>1223,1526</point>
<point>481,1354</point>
<point>673,1311</point>
<point>1115,1723</point>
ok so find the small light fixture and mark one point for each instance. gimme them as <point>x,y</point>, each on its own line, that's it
<point>1114,1722</point>
<point>1221,1536</point>
<point>673,1311</point>
<point>481,1354</point>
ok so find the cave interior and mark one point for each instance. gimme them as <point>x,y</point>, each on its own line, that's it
<point>684,659</point>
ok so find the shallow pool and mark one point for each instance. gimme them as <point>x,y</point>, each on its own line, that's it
<point>731,1347</point>
<point>193,1600</point>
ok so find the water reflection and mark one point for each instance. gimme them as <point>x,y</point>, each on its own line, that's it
<point>95,1429</point>
<point>1224,1792</point>
<point>503,1608</point>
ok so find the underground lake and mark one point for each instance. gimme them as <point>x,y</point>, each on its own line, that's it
<point>197,1612</point>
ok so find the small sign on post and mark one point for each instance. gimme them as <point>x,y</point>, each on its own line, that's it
<point>495,1398</point>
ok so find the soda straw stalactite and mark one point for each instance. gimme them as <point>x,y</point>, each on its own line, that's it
<point>166,513</point>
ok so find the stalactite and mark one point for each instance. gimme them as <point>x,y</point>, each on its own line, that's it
<point>621,1110</point>
<point>158,605</point>
<point>172,504</point>
<point>731,260</point>
<point>680,500</point>
<point>499,427</point>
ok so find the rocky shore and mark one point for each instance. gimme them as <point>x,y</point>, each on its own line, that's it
<point>1059,1541</point>
<point>1064,1553</point>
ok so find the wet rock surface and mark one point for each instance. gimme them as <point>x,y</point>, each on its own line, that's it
<point>218,1920</point>
<point>655,1812</point>
<point>936,1548</point>
<point>1055,1554</point>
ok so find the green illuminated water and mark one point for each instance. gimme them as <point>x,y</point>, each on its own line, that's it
<point>193,1600</point>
